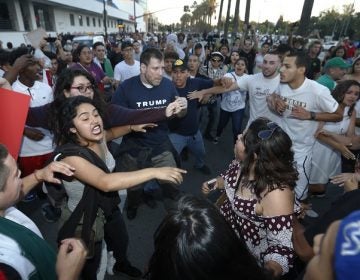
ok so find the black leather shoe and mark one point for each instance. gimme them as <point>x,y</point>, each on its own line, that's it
<point>131,213</point>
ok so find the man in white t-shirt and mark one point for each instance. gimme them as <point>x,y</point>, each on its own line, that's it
<point>127,68</point>
<point>301,103</point>
<point>259,86</point>
<point>37,143</point>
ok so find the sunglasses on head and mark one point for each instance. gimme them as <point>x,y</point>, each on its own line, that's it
<point>267,133</point>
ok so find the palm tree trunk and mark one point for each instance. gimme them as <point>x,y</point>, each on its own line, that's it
<point>305,17</point>
<point>226,28</point>
<point>247,12</point>
<point>236,18</point>
<point>219,18</point>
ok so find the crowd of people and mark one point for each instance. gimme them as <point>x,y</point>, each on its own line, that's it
<point>123,116</point>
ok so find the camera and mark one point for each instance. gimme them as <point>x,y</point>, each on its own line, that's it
<point>50,39</point>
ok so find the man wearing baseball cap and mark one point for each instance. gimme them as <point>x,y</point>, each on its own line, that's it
<point>184,132</point>
<point>214,70</point>
<point>335,69</point>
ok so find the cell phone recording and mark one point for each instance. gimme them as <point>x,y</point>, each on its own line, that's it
<point>211,183</point>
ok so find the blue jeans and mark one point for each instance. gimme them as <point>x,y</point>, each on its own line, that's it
<point>195,144</point>
<point>236,118</point>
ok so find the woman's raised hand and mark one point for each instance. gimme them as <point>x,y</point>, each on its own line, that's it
<point>170,174</point>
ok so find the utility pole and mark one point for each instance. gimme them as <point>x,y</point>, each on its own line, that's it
<point>105,21</point>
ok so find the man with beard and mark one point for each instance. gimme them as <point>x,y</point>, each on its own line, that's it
<point>259,86</point>
<point>153,148</point>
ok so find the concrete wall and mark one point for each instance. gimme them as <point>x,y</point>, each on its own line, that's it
<point>62,19</point>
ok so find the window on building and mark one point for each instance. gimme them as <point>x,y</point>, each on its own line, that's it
<point>5,22</point>
<point>80,20</point>
<point>94,22</point>
<point>72,20</point>
<point>99,22</point>
<point>108,23</point>
<point>87,21</point>
<point>43,16</point>
<point>25,12</point>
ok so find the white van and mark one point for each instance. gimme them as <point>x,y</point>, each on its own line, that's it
<point>88,40</point>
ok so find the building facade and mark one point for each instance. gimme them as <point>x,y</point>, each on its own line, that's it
<point>17,17</point>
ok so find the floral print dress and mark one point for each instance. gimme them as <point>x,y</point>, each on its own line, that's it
<point>267,238</point>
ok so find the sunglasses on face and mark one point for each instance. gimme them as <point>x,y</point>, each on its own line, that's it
<point>83,89</point>
<point>267,133</point>
<point>215,60</point>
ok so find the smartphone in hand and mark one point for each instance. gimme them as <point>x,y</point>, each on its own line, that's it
<point>211,184</point>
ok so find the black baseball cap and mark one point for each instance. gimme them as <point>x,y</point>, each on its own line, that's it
<point>180,63</point>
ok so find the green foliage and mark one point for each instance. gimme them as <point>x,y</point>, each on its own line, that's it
<point>330,22</point>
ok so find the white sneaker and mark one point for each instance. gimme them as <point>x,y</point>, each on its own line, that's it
<point>110,263</point>
<point>311,213</point>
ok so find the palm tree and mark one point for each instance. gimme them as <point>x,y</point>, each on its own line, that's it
<point>219,18</point>
<point>247,12</point>
<point>185,21</point>
<point>211,9</point>
<point>305,17</point>
<point>226,28</point>
<point>236,18</point>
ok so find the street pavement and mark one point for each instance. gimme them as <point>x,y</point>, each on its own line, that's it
<point>142,228</point>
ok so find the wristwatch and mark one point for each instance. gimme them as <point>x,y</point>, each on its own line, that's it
<point>312,115</point>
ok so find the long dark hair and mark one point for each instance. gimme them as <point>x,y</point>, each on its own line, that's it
<point>194,242</point>
<point>341,88</point>
<point>272,158</point>
<point>64,82</point>
<point>339,48</point>
<point>65,116</point>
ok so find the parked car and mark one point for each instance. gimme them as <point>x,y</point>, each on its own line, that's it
<point>88,40</point>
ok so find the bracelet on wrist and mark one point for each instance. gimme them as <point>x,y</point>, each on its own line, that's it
<point>36,177</point>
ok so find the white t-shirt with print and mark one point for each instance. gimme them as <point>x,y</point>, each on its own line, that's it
<point>312,96</point>
<point>41,94</point>
<point>233,100</point>
<point>259,89</point>
<point>124,71</point>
